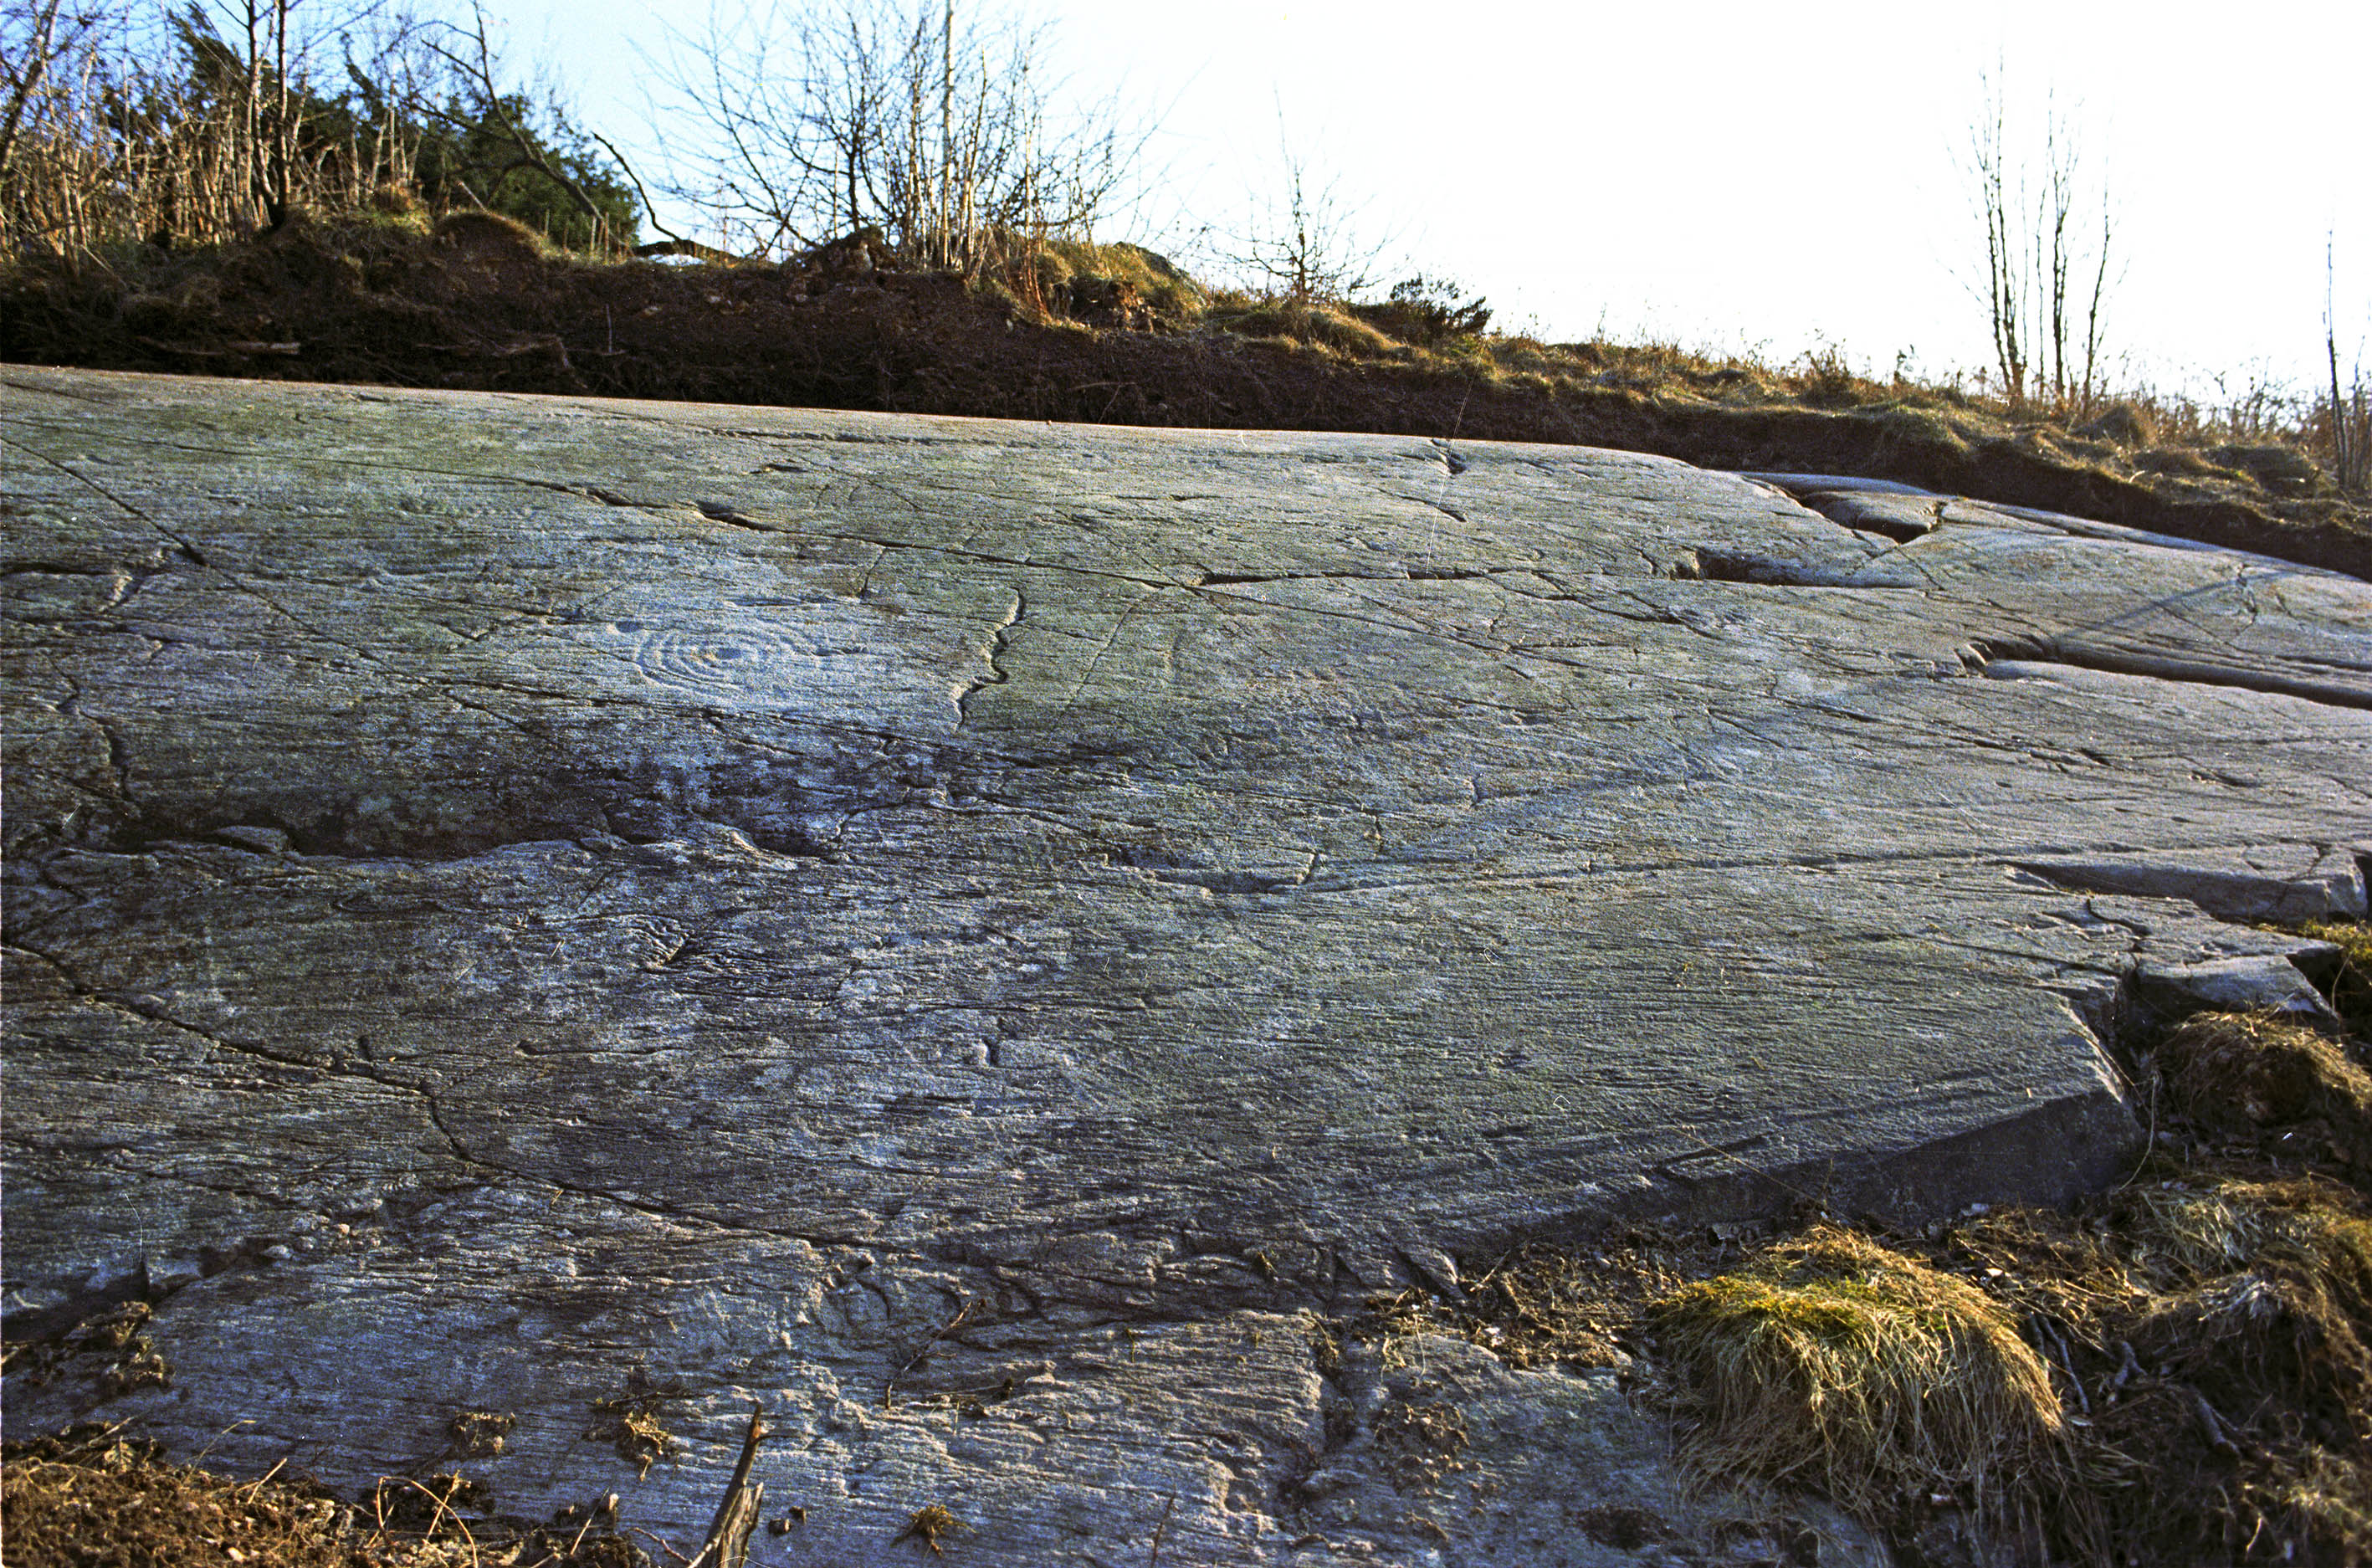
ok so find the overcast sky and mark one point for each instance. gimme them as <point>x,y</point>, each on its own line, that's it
<point>1765,176</point>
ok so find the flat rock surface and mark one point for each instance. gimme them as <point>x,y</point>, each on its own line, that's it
<point>975,936</point>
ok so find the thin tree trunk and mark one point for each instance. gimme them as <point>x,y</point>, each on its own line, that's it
<point>2341,461</point>
<point>2092,314</point>
<point>252,109</point>
<point>283,152</point>
<point>36,66</point>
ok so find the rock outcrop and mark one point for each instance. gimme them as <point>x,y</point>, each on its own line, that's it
<point>975,936</point>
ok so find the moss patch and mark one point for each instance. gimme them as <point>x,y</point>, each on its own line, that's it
<point>2346,976</point>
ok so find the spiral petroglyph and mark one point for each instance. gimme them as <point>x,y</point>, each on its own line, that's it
<point>735,659</point>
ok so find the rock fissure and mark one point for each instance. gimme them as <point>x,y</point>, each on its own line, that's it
<point>2009,657</point>
<point>1015,563</point>
<point>428,1097</point>
<point>1000,638</point>
<point>716,512</point>
<point>155,1012</point>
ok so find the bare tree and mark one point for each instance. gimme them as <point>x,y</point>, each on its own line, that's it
<point>1307,242</point>
<point>197,121</point>
<point>90,120</point>
<point>29,42</point>
<point>276,56</point>
<point>2046,281</point>
<point>2005,283</point>
<point>933,121</point>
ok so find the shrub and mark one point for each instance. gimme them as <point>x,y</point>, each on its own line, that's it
<point>1425,310</point>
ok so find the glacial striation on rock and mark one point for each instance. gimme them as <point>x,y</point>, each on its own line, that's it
<point>972,935</point>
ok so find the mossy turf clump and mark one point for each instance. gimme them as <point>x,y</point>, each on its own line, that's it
<point>2179,1370</point>
<point>1834,1362</point>
<point>1323,326</point>
<point>2264,1287</point>
<point>1119,285</point>
<point>2245,1074</point>
<point>2217,1329</point>
<point>489,234</point>
<point>2345,975</point>
<point>2124,423</point>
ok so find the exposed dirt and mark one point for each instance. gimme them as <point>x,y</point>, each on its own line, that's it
<point>1045,339</point>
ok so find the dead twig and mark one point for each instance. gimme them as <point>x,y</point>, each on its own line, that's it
<point>2218,1433</point>
<point>234,1427</point>
<point>445,1504</point>
<point>249,1496</point>
<point>1154,1560</point>
<point>950,1325</point>
<point>663,1544</point>
<point>727,1545</point>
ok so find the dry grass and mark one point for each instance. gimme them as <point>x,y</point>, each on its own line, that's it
<point>2178,1371</point>
<point>1056,281</point>
<point>142,123</point>
<point>490,235</point>
<point>2267,1283</point>
<point>1837,1364</point>
<point>2215,1332</point>
<point>2346,976</point>
<point>1321,326</point>
<point>1557,1305</point>
<point>2246,1075</point>
<point>94,1496</point>
<point>1056,329</point>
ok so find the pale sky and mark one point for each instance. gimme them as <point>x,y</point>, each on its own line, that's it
<point>1763,176</point>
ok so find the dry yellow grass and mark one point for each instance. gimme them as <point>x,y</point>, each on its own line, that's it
<point>1836,1364</point>
<point>2241,1073</point>
<point>2346,979</point>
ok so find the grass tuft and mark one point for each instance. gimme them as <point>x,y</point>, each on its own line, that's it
<point>2237,1075</point>
<point>1834,1362</point>
<point>2346,975</point>
<point>1322,325</point>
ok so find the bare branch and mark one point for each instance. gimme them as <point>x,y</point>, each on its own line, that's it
<point>933,121</point>
<point>2036,261</point>
<point>1308,246</point>
<point>478,69</point>
<point>23,78</point>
